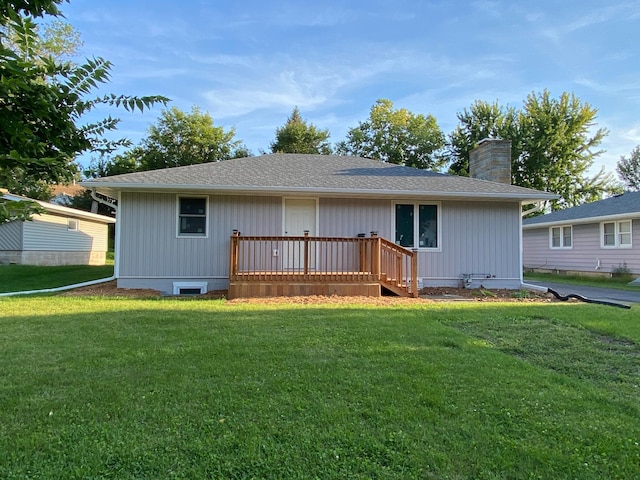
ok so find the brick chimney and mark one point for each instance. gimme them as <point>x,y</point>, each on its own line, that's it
<point>491,160</point>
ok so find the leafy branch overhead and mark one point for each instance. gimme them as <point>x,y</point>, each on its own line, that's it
<point>43,101</point>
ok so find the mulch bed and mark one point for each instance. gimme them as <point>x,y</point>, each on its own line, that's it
<point>109,289</point>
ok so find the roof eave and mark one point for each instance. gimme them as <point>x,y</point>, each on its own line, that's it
<point>53,208</point>
<point>112,188</point>
<point>584,220</point>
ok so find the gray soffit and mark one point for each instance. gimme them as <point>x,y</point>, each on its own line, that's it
<point>311,174</point>
<point>618,206</point>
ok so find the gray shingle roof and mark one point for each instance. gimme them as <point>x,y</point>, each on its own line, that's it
<point>628,203</point>
<point>329,174</point>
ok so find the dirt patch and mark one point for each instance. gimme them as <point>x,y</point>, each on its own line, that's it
<point>110,289</point>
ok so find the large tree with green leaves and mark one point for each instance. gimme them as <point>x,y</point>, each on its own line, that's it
<point>629,169</point>
<point>396,136</point>
<point>43,101</point>
<point>179,138</point>
<point>297,136</point>
<point>554,144</point>
<point>482,120</point>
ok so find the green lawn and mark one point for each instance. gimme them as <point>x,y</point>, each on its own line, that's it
<point>620,284</point>
<point>121,388</point>
<point>16,278</point>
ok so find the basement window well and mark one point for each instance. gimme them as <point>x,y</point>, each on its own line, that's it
<point>189,288</point>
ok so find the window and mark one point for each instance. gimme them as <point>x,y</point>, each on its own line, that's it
<point>192,216</point>
<point>561,237</point>
<point>616,234</point>
<point>624,233</point>
<point>416,225</point>
<point>189,288</point>
<point>72,224</point>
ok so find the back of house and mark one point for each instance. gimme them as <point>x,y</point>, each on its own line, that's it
<point>175,225</point>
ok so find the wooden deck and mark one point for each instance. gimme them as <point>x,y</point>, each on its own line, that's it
<point>291,266</point>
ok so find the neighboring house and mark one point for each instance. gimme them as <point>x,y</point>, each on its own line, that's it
<point>63,194</point>
<point>60,236</point>
<point>595,237</point>
<point>175,230</point>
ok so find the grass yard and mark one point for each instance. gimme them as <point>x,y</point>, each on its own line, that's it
<point>617,283</point>
<point>122,388</point>
<point>15,278</point>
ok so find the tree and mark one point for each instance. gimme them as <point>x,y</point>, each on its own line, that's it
<point>629,169</point>
<point>553,145</point>
<point>296,136</point>
<point>104,166</point>
<point>482,120</point>
<point>396,136</point>
<point>43,100</point>
<point>181,138</point>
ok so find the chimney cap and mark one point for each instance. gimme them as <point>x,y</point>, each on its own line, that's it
<point>489,139</point>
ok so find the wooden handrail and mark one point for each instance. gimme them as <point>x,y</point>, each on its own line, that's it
<point>399,267</point>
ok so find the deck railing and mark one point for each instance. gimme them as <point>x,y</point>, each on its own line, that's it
<point>323,259</point>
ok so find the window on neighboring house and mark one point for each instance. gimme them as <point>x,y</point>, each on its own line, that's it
<point>561,237</point>
<point>616,234</point>
<point>416,225</point>
<point>192,216</point>
<point>72,224</point>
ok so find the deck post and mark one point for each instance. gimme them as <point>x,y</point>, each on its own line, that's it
<point>376,249</point>
<point>233,255</point>
<point>362,253</point>
<point>306,252</point>
<point>414,273</point>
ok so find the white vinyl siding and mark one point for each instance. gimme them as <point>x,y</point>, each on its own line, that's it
<point>616,234</point>
<point>561,237</point>
<point>51,233</point>
<point>475,237</point>
<point>11,236</point>
<point>149,246</point>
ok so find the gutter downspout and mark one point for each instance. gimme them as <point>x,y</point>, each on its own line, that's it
<point>95,196</point>
<point>539,206</point>
<point>116,253</point>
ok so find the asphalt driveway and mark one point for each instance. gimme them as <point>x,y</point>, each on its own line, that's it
<point>594,293</point>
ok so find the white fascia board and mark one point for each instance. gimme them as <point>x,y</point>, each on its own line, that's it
<point>281,190</point>
<point>583,221</point>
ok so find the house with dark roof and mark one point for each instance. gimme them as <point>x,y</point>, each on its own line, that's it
<point>58,236</point>
<point>292,224</point>
<point>594,237</point>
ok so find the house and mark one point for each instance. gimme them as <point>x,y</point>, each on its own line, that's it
<point>63,194</point>
<point>315,224</point>
<point>60,236</point>
<point>595,237</point>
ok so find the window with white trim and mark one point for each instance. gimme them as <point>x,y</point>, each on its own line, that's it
<point>615,234</point>
<point>192,216</point>
<point>72,224</point>
<point>416,225</point>
<point>561,237</point>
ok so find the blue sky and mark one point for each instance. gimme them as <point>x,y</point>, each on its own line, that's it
<point>249,63</point>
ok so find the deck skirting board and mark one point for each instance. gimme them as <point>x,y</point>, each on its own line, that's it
<point>289,289</point>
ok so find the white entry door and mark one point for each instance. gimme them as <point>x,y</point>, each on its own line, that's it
<point>299,215</point>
